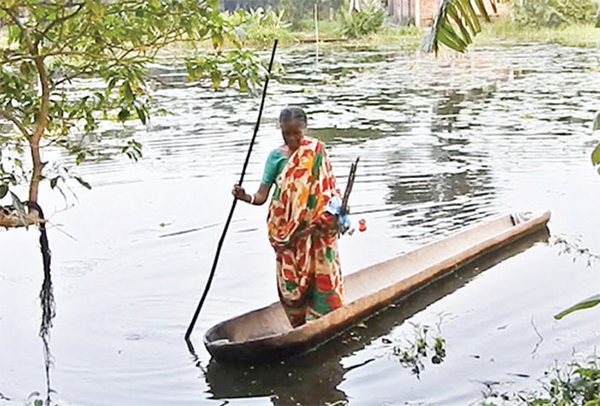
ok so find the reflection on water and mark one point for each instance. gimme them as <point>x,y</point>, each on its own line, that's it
<point>452,193</point>
<point>48,305</point>
<point>297,381</point>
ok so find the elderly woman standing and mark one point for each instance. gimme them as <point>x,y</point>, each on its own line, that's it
<point>302,233</point>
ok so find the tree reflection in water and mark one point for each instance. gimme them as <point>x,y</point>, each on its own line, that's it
<point>48,306</point>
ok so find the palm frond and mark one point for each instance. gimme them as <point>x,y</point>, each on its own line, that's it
<point>456,23</point>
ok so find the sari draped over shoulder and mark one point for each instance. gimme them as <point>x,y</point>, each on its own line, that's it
<point>308,267</point>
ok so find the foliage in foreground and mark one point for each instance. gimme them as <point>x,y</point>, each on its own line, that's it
<point>596,152</point>
<point>455,24</point>
<point>52,45</point>
<point>573,384</point>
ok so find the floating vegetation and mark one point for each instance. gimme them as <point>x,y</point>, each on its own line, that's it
<point>573,384</point>
<point>420,347</point>
<point>574,248</point>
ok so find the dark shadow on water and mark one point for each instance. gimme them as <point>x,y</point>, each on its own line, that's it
<point>313,378</point>
<point>48,307</point>
<point>450,103</point>
<point>345,136</point>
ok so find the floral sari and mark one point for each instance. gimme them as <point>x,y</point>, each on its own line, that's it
<point>305,240</point>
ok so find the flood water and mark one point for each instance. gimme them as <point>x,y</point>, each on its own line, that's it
<point>443,144</point>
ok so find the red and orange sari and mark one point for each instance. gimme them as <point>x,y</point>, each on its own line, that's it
<point>304,236</point>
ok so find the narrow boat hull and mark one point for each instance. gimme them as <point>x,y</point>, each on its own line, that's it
<point>265,334</point>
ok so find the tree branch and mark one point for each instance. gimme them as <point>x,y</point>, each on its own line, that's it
<point>8,116</point>
<point>59,21</point>
<point>24,29</point>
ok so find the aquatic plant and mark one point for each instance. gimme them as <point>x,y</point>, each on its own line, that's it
<point>421,346</point>
<point>574,248</point>
<point>573,384</point>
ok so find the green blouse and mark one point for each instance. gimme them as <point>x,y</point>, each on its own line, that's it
<point>276,161</point>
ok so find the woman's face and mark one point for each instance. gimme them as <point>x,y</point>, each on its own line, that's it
<point>292,132</point>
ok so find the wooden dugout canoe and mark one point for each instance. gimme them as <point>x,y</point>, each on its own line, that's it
<point>265,334</point>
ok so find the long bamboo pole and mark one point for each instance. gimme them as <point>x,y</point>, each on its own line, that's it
<point>230,216</point>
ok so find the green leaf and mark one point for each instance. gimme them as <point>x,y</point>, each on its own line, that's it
<point>215,77</point>
<point>460,24</point>
<point>470,15</point>
<point>80,158</point>
<point>83,183</point>
<point>141,113</point>
<point>596,155</point>
<point>53,182</point>
<point>95,7</point>
<point>123,114</point>
<point>482,10</point>
<point>14,33</point>
<point>127,92</point>
<point>448,37</point>
<point>596,125</point>
<point>462,14</point>
<point>3,190</point>
<point>586,304</point>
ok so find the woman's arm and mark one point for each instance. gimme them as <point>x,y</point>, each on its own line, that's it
<point>258,199</point>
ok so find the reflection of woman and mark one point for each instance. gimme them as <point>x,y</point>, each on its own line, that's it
<point>303,235</point>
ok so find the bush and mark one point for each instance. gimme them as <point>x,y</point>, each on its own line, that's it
<point>368,20</point>
<point>544,13</point>
<point>302,12</point>
<point>263,25</point>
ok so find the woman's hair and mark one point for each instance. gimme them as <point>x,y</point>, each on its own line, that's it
<point>293,113</point>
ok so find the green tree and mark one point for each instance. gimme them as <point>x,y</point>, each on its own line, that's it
<point>47,44</point>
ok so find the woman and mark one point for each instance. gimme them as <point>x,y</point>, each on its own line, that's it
<point>302,233</point>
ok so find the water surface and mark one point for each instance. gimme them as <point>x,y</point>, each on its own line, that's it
<point>443,144</point>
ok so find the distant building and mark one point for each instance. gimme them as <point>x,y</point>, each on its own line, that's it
<point>422,12</point>
<point>232,5</point>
